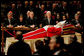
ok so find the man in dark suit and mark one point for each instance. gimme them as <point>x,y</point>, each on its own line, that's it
<point>55,8</point>
<point>21,21</point>
<point>48,20</point>
<point>32,21</point>
<point>77,22</point>
<point>64,7</point>
<point>10,21</point>
<point>26,7</point>
<point>58,18</point>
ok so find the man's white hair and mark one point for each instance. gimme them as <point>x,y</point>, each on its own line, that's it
<point>48,12</point>
<point>28,11</point>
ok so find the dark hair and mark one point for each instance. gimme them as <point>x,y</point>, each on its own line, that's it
<point>75,39</point>
<point>60,40</point>
<point>20,15</point>
<point>39,44</point>
<point>47,40</point>
<point>19,37</point>
<point>64,15</point>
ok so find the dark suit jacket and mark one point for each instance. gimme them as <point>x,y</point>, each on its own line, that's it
<point>31,21</point>
<point>74,22</point>
<point>19,48</point>
<point>45,22</point>
<point>6,22</point>
<point>21,23</point>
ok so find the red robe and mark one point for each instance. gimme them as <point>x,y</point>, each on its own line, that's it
<point>51,31</point>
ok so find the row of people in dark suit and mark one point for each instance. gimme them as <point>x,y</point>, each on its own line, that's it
<point>31,20</point>
<point>38,8</point>
<point>28,21</point>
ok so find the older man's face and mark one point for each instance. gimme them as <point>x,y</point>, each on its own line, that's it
<point>9,16</point>
<point>31,14</point>
<point>54,5</point>
<point>28,13</point>
<point>26,2</point>
<point>49,14</point>
<point>76,17</point>
<point>64,17</point>
<point>13,5</point>
<point>42,6</point>
<point>31,2</point>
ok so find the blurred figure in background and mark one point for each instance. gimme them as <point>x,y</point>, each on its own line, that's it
<point>42,10</point>
<point>55,8</point>
<point>26,7</point>
<point>57,46</point>
<point>58,18</point>
<point>39,47</point>
<point>20,7</point>
<point>68,17</point>
<point>13,8</point>
<point>65,19</point>
<point>46,46</point>
<point>75,48</point>
<point>64,7</point>
<point>31,6</point>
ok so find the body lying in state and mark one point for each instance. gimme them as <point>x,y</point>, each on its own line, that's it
<point>50,30</point>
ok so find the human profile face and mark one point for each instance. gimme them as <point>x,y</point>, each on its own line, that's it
<point>76,17</point>
<point>28,13</point>
<point>58,16</point>
<point>31,2</point>
<point>52,44</point>
<point>21,18</point>
<point>64,18</point>
<point>54,5</point>
<point>13,5</point>
<point>9,16</point>
<point>31,14</point>
<point>26,2</point>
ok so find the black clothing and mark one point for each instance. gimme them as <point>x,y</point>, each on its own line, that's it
<point>59,52</point>
<point>75,48</point>
<point>19,48</point>
<point>12,22</point>
<point>31,21</point>
<point>74,22</point>
<point>21,23</point>
<point>58,19</point>
<point>46,22</point>
<point>44,50</point>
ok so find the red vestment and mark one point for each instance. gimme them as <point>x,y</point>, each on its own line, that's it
<point>51,31</point>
